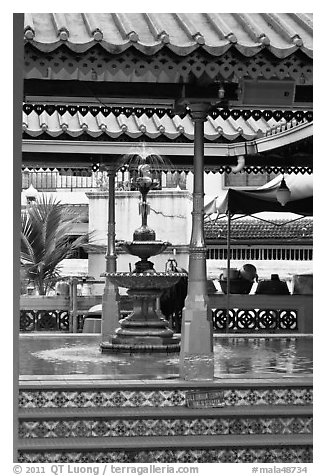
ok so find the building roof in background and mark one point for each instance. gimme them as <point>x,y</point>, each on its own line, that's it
<point>281,33</point>
<point>96,124</point>
<point>251,230</point>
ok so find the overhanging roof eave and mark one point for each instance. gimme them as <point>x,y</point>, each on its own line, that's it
<point>301,132</point>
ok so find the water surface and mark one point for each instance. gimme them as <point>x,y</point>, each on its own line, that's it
<point>245,357</point>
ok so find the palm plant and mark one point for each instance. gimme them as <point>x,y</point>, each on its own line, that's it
<point>45,241</point>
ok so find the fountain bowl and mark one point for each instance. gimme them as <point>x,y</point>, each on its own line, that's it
<point>145,249</point>
<point>142,281</point>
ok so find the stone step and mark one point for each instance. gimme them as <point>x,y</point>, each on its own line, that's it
<point>163,412</point>
<point>28,382</point>
<point>141,442</point>
<point>122,427</point>
<point>233,449</point>
<point>167,393</point>
<point>153,421</point>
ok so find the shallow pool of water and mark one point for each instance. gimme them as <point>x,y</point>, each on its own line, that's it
<point>245,357</point>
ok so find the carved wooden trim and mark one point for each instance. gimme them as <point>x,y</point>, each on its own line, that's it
<point>98,65</point>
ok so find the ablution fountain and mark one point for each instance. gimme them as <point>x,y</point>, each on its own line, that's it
<point>145,329</point>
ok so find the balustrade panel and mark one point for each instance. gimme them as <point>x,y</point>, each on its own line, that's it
<point>44,320</point>
<point>255,320</point>
<point>247,313</point>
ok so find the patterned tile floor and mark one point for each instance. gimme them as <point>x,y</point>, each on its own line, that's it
<point>299,454</point>
<point>158,427</point>
<point>86,398</point>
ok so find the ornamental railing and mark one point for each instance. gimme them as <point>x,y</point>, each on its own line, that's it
<point>55,313</point>
<point>262,313</point>
<point>249,320</point>
<point>236,313</point>
<point>76,179</point>
<point>53,180</point>
<point>262,252</point>
<point>42,320</point>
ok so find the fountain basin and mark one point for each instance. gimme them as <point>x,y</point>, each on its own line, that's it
<point>144,281</point>
<point>237,356</point>
<point>145,329</point>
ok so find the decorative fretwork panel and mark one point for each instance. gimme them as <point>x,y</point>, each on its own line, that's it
<point>37,320</point>
<point>268,319</point>
<point>122,113</point>
<point>28,321</point>
<point>255,319</point>
<point>245,319</point>
<point>262,169</point>
<point>99,65</point>
<point>221,169</point>
<point>288,320</point>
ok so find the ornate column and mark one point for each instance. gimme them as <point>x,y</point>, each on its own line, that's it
<point>196,355</point>
<point>111,298</point>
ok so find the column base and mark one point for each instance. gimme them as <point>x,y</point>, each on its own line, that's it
<point>196,355</point>
<point>110,312</point>
<point>197,367</point>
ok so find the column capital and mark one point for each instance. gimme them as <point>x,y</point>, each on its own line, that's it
<point>112,169</point>
<point>199,110</point>
<point>198,107</point>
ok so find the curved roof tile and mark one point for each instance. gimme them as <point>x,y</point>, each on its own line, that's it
<point>281,33</point>
<point>95,125</point>
<point>251,229</point>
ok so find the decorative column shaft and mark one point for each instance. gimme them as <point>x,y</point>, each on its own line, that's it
<point>111,257</point>
<point>110,299</point>
<point>196,356</point>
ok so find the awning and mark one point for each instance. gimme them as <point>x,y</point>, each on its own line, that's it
<point>281,33</point>
<point>263,199</point>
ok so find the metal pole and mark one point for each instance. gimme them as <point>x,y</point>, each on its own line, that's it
<point>74,306</point>
<point>111,257</point>
<point>228,265</point>
<point>110,299</point>
<point>70,307</point>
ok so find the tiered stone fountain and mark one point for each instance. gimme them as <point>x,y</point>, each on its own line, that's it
<point>145,330</point>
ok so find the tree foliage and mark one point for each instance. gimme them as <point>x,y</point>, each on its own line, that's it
<point>45,241</point>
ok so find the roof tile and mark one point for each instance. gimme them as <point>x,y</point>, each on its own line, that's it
<point>282,33</point>
<point>252,229</point>
<point>96,124</point>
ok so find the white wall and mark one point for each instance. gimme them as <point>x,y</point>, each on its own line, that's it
<point>213,185</point>
<point>170,217</point>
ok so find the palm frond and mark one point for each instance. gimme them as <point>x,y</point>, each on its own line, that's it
<point>45,242</point>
